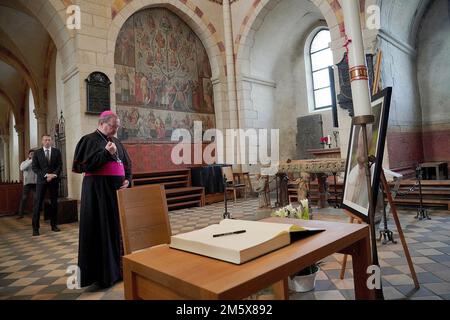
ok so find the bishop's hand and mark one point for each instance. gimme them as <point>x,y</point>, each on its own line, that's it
<point>125,184</point>
<point>111,147</point>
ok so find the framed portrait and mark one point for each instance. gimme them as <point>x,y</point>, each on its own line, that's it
<point>356,198</point>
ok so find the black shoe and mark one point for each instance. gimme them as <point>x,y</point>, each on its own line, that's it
<point>35,233</point>
<point>55,229</point>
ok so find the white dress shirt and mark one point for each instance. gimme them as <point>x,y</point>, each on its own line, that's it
<point>49,152</point>
<point>29,177</point>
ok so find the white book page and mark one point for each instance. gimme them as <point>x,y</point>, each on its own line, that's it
<point>257,232</point>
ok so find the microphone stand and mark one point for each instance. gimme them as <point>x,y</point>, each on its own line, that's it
<point>226,214</point>
<point>422,214</point>
<point>386,234</point>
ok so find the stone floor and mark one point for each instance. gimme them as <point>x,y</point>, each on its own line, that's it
<point>35,268</point>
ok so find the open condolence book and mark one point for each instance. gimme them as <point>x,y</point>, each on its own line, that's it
<point>239,241</point>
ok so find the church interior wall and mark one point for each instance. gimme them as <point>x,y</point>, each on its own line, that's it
<point>13,150</point>
<point>415,63</point>
<point>404,140</point>
<point>433,72</point>
<point>270,71</point>
<point>52,105</point>
<point>26,120</point>
<point>163,83</point>
<point>274,91</point>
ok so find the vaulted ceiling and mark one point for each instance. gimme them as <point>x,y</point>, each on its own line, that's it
<point>23,52</point>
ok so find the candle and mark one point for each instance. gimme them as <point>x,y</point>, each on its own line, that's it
<point>356,58</point>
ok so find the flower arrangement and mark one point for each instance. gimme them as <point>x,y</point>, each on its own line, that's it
<point>301,212</point>
<point>303,280</point>
<point>326,141</point>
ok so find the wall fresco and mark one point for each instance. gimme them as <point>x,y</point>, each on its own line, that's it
<point>163,77</point>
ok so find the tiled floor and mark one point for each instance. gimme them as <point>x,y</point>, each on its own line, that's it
<point>35,267</point>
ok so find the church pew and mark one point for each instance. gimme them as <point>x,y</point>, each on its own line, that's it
<point>177,185</point>
<point>10,194</point>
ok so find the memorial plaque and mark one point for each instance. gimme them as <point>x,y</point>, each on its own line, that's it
<point>98,93</point>
<point>345,96</point>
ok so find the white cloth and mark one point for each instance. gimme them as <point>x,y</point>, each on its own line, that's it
<point>29,177</point>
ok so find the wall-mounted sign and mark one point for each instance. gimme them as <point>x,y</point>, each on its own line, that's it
<point>98,93</point>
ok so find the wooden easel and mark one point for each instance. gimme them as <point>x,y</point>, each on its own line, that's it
<point>375,87</point>
<point>387,190</point>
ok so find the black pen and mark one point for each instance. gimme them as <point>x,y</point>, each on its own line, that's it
<point>228,233</point>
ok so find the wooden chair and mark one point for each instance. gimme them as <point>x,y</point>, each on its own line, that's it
<point>231,184</point>
<point>144,219</point>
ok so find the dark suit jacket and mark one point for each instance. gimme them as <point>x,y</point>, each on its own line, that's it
<point>41,167</point>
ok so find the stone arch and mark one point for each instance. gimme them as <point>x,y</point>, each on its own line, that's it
<point>259,11</point>
<point>259,90</point>
<point>8,99</point>
<point>9,58</point>
<point>52,15</point>
<point>417,20</point>
<point>194,18</point>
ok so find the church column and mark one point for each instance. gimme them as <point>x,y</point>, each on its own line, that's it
<point>5,139</point>
<point>41,117</point>
<point>20,134</point>
<point>231,77</point>
<point>230,64</point>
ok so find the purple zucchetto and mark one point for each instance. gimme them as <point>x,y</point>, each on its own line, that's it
<point>106,113</point>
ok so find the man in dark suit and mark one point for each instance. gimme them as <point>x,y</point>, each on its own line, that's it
<point>47,164</point>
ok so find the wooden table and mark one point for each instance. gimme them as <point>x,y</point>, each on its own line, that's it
<point>164,273</point>
<point>440,170</point>
<point>326,153</point>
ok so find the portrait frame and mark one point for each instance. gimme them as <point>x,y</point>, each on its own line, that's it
<point>355,195</point>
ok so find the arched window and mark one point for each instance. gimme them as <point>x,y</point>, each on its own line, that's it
<point>32,122</point>
<point>320,58</point>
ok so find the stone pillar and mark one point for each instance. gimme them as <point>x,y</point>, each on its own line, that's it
<point>231,76</point>
<point>5,139</point>
<point>20,134</point>
<point>41,117</point>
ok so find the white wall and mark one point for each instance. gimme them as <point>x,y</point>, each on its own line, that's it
<point>433,63</point>
<point>276,84</point>
<point>13,150</point>
<point>52,107</point>
<point>33,140</point>
<point>59,85</point>
<point>399,62</point>
<point>399,71</point>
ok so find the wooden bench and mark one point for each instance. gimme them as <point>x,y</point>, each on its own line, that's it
<point>177,185</point>
<point>435,193</point>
